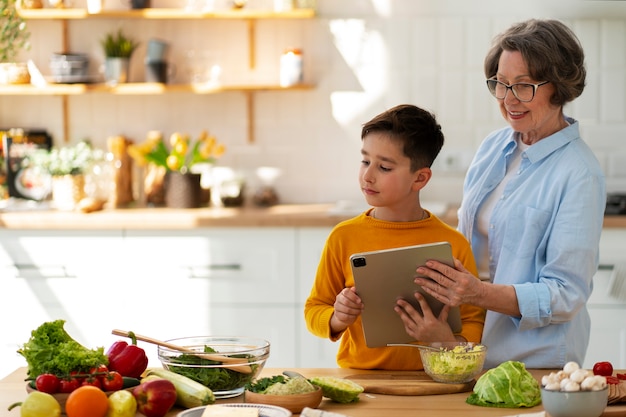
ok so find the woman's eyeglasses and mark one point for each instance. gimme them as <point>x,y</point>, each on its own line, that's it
<point>524,92</point>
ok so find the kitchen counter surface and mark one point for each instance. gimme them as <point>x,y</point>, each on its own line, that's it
<point>287,215</point>
<point>12,389</point>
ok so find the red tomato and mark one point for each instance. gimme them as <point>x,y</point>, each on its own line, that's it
<point>611,380</point>
<point>48,383</point>
<point>68,385</point>
<point>93,381</point>
<point>100,370</point>
<point>113,381</point>
<point>603,368</point>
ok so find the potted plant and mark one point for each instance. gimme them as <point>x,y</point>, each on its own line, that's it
<point>13,38</point>
<point>67,166</point>
<point>173,170</point>
<point>118,48</point>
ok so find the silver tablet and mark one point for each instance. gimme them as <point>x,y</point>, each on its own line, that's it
<point>381,277</point>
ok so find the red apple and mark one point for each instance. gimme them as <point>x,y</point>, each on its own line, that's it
<point>155,398</point>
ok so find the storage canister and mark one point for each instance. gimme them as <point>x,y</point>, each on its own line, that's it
<point>291,67</point>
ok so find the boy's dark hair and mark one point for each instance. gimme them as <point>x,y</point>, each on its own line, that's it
<point>416,128</point>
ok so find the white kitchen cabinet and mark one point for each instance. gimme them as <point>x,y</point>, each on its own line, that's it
<point>608,312</point>
<point>314,351</point>
<point>215,281</point>
<point>57,275</point>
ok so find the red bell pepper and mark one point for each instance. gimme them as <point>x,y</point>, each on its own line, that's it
<point>128,360</point>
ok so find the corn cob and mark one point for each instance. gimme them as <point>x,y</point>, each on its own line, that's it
<point>189,393</point>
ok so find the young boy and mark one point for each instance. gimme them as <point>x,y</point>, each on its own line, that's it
<point>398,148</point>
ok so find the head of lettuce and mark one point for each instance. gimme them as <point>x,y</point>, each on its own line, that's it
<point>509,385</point>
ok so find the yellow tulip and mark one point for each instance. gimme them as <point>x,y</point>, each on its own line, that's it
<point>175,138</point>
<point>173,162</point>
<point>219,150</point>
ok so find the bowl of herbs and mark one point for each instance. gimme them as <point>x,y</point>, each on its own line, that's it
<point>225,364</point>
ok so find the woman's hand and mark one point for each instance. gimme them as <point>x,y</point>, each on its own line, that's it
<point>348,306</point>
<point>451,286</point>
<point>425,327</point>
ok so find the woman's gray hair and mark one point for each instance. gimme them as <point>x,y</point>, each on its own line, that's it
<point>552,52</point>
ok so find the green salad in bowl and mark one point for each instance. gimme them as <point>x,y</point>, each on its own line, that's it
<point>453,362</point>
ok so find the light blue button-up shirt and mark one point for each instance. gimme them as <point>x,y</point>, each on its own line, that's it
<point>543,239</point>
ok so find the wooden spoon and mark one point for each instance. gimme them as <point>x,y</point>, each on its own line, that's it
<point>239,362</point>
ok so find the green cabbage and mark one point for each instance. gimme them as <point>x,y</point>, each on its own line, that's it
<point>509,385</point>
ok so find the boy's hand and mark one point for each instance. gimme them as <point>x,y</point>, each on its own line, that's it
<point>348,306</point>
<point>425,327</point>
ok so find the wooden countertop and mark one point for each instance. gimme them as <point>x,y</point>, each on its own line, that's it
<point>287,215</point>
<point>12,389</point>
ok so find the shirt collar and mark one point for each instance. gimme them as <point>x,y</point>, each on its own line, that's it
<point>547,145</point>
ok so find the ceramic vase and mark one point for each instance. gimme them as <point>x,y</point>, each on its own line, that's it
<point>116,70</point>
<point>67,191</point>
<point>182,190</point>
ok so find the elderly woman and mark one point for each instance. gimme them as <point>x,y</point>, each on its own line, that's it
<point>532,206</point>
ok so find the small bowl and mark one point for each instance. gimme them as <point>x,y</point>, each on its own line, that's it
<point>226,380</point>
<point>574,404</point>
<point>62,397</point>
<point>294,402</point>
<point>453,362</point>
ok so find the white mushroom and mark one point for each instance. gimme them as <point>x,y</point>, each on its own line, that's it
<point>570,367</point>
<point>564,382</point>
<point>571,386</point>
<point>553,386</point>
<point>578,375</point>
<point>547,379</point>
<point>599,383</point>
<point>561,375</point>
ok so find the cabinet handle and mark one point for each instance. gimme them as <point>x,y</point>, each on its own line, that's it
<point>605,267</point>
<point>42,271</point>
<point>204,271</point>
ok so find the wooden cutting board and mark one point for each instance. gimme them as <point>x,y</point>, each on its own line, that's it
<point>406,383</point>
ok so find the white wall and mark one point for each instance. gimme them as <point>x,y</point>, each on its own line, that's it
<point>363,56</point>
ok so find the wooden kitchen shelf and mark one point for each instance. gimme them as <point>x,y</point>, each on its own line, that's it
<point>138,89</point>
<point>64,16</point>
<point>165,13</point>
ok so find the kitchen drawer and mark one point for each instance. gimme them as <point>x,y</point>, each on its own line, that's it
<point>239,265</point>
<point>58,253</point>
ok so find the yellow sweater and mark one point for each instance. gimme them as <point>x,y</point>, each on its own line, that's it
<point>362,234</point>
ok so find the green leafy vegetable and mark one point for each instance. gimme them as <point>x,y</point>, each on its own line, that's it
<point>51,349</point>
<point>218,379</point>
<point>509,385</point>
<point>262,384</point>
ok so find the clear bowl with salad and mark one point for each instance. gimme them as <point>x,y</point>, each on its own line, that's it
<point>225,364</point>
<point>453,362</point>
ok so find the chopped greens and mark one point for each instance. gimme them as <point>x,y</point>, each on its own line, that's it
<point>262,384</point>
<point>51,349</point>
<point>218,379</point>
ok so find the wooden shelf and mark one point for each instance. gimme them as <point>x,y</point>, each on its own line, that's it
<point>158,13</point>
<point>138,89</point>
<point>66,90</point>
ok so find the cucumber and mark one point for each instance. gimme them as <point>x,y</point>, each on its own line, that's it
<point>130,382</point>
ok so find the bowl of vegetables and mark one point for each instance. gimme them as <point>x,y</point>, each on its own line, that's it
<point>574,392</point>
<point>225,364</point>
<point>294,393</point>
<point>453,362</point>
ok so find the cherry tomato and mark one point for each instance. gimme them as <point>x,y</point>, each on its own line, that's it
<point>48,383</point>
<point>603,368</point>
<point>93,381</point>
<point>68,385</point>
<point>100,370</point>
<point>113,381</point>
